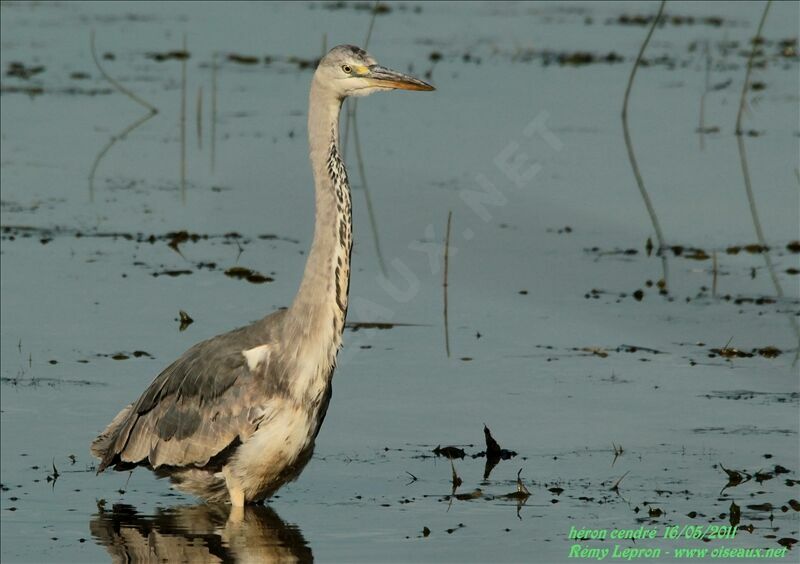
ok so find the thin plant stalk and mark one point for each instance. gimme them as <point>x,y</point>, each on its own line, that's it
<point>351,104</point>
<point>368,198</point>
<point>351,118</point>
<point>748,186</point>
<point>199,117</point>
<point>743,159</point>
<point>445,283</point>
<point>151,111</point>
<point>371,24</point>
<point>114,138</point>
<point>629,145</point>
<point>714,274</point>
<point>183,122</point>
<point>706,88</point>
<point>116,84</point>
<point>213,111</point>
<point>748,72</point>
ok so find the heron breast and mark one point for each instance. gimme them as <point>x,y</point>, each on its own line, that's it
<point>271,455</point>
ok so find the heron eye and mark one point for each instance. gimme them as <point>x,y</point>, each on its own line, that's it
<point>347,69</point>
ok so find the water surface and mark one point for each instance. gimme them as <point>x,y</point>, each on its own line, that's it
<point>551,345</point>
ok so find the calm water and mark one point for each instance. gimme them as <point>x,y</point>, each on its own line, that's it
<point>550,346</point>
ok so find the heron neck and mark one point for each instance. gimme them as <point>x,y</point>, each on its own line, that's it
<point>320,307</point>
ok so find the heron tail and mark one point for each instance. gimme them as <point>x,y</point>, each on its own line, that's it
<point>105,440</point>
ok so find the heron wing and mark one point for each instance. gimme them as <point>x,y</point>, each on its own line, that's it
<point>204,402</point>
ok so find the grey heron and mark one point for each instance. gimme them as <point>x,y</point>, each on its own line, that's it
<point>236,416</point>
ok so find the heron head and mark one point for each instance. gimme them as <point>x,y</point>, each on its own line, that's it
<point>350,71</point>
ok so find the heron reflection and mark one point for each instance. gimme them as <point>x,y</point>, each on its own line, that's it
<point>199,533</point>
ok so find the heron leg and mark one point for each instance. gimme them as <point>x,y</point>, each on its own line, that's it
<point>235,490</point>
<point>236,515</point>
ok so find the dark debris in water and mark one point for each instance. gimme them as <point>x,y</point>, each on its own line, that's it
<point>601,352</point>
<point>688,251</point>
<point>243,59</point>
<point>768,352</point>
<point>707,130</point>
<point>125,355</point>
<point>732,352</point>
<point>671,19</point>
<point>37,90</point>
<point>762,300</point>
<point>703,296</point>
<point>23,71</point>
<point>455,479</point>
<point>725,51</point>
<point>358,325</point>
<point>173,238</point>
<point>172,272</point>
<point>355,326</point>
<point>521,492</point>
<point>14,89</point>
<point>35,381</point>
<point>449,452</point>
<point>493,449</point>
<point>746,395</point>
<point>292,61</point>
<point>177,55</point>
<point>579,58</point>
<point>744,430</point>
<point>377,8</point>
<point>242,273</point>
<point>752,248</point>
<point>494,453</point>
<point>185,320</point>
<point>597,251</point>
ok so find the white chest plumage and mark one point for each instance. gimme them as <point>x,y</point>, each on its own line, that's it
<point>276,452</point>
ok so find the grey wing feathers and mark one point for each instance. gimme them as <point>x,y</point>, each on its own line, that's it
<point>202,403</point>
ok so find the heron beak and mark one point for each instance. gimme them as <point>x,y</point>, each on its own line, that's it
<point>387,78</point>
